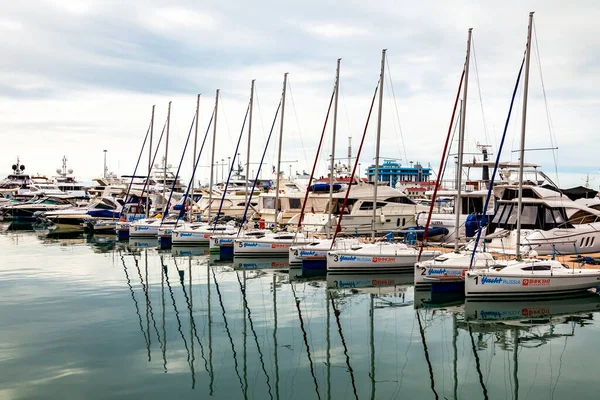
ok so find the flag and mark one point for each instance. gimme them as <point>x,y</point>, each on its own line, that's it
<point>274,169</point>
<point>312,209</point>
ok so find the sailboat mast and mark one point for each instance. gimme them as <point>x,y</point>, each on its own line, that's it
<point>212,157</point>
<point>149,164</point>
<point>331,171</point>
<point>249,139</point>
<point>461,147</point>
<point>166,155</point>
<point>378,142</point>
<point>279,152</point>
<point>194,155</point>
<point>523,126</point>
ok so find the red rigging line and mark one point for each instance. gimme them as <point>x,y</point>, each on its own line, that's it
<point>439,177</point>
<point>338,228</point>
<point>312,173</point>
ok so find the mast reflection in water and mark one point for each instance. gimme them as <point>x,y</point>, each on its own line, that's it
<point>136,322</point>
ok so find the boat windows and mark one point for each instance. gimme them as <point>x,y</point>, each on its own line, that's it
<point>582,217</point>
<point>368,205</point>
<point>269,203</point>
<point>529,215</point>
<point>592,243</point>
<point>472,205</point>
<point>558,216</point>
<point>537,268</point>
<point>587,242</point>
<point>295,203</point>
<point>400,200</point>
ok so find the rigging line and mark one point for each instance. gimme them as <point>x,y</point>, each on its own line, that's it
<point>261,357</point>
<point>262,126</point>
<point>162,292</point>
<point>148,304</point>
<point>337,313</point>
<point>237,372</point>
<point>429,366</point>
<point>338,228</point>
<point>310,361</point>
<point>399,386</point>
<point>135,302</point>
<point>149,170</point>
<point>192,320</point>
<point>396,108</point>
<point>493,177</point>
<point>547,107</point>
<point>187,190</point>
<point>478,365</point>
<point>231,168</point>
<point>297,124</point>
<point>138,163</point>
<point>448,156</point>
<point>258,171</point>
<point>179,328</point>
<point>225,118</point>
<point>560,359</point>
<point>485,130</point>
<point>437,182</point>
<point>312,172</point>
<point>166,211</point>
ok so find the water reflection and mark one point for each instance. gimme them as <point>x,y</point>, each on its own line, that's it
<point>196,326</point>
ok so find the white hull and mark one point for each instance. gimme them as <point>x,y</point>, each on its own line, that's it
<point>268,246</point>
<point>450,267</point>
<point>376,258</point>
<point>144,229</point>
<point>199,234</point>
<point>501,284</point>
<point>318,250</point>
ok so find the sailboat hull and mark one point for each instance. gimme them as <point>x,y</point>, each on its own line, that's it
<point>494,285</point>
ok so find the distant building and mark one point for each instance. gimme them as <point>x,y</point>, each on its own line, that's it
<point>395,174</point>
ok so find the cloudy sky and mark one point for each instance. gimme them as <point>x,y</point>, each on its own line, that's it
<point>79,77</point>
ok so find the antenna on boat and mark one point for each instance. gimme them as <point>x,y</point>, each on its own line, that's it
<point>523,127</point>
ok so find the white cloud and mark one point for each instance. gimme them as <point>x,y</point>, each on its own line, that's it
<point>335,31</point>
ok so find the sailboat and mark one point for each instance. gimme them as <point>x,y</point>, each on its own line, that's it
<point>529,277</point>
<point>272,244</point>
<point>390,257</point>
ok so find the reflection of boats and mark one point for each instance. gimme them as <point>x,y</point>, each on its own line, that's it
<point>257,263</point>
<point>189,251</point>
<point>143,242</point>
<point>527,312</point>
<point>361,281</point>
<point>436,300</point>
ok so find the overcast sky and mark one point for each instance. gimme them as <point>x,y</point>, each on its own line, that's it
<point>78,77</point>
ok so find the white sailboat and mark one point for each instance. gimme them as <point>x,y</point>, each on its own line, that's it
<point>531,277</point>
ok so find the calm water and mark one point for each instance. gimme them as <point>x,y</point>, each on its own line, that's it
<point>92,318</point>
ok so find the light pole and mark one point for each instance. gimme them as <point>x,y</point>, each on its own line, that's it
<point>222,168</point>
<point>105,169</point>
<point>359,171</point>
<point>229,166</point>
